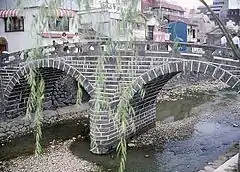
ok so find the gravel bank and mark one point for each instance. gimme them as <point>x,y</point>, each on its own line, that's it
<point>20,126</point>
<point>179,87</point>
<point>164,132</point>
<point>57,158</point>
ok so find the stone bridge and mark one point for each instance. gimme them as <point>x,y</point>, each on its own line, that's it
<point>147,69</point>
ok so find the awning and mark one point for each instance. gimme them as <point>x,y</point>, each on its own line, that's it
<point>64,13</point>
<point>9,13</point>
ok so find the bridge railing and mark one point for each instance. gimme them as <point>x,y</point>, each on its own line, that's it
<point>93,47</point>
<point>203,49</point>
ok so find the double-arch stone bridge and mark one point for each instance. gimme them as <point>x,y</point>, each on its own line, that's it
<point>151,69</point>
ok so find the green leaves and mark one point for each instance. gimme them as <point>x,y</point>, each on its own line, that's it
<point>79,93</point>
<point>101,100</point>
<point>35,105</point>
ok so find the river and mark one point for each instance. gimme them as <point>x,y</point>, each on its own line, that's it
<point>215,132</point>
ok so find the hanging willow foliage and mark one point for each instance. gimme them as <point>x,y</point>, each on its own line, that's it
<point>124,111</point>
<point>79,93</point>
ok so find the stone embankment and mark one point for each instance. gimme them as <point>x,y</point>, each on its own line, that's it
<point>21,126</point>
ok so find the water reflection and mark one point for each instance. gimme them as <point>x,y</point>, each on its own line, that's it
<point>170,111</point>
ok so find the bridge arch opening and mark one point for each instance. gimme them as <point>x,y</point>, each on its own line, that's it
<point>60,87</point>
<point>153,80</point>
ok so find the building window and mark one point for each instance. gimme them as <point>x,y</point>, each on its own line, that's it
<point>193,34</point>
<point>14,24</point>
<point>58,24</point>
<point>150,32</point>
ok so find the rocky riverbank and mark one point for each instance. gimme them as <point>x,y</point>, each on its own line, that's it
<point>179,87</point>
<point>57,158</point>
<point>192,86</point>
<point>20,126</point>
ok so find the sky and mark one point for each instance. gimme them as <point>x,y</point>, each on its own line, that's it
<point>189,3</point>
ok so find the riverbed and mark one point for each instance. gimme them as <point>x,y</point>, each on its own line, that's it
<point>189,133</point>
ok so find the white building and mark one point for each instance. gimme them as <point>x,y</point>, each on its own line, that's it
<point>20,26</point>
<point>105,18</point>
<point>202,25</point>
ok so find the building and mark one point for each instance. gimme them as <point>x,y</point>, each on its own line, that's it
<point>105,18</point>
<point>220,8</point>
<point>157,31</point>
<point>234,11</point>
<point>202,9</point>
<point>21,28</point>
<point>165,13</point>
<point>162,9</point>
<point>201,25</point>
<point>234,15</point>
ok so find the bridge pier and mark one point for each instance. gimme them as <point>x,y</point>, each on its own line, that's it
<point>103,126</point>
<point>103,132</point>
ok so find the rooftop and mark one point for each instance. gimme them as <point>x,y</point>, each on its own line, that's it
<point>167,5</point>
<point>162,3</point>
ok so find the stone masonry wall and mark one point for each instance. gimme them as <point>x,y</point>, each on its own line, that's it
<point>149,73</point>
<point>60,91</point>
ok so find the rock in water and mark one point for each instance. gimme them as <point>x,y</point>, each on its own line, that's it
<point>235,125</point>
<point>146,156</point>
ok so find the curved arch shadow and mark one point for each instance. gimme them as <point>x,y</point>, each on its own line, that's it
<point>50,63</point>
<point>211,70</point>
<point>153,80</point>
<point>52,70</point>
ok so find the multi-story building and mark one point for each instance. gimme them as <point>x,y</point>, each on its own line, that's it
<point>234,11</point>
<point>20,26</point>
<point>105,18</point>
<point>161,9</point>
<point>162,13</point>
<point>220,8</point>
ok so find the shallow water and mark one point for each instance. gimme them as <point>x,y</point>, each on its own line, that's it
<point>176,110</point>
<point>25,145</point>
<point>211,138</point>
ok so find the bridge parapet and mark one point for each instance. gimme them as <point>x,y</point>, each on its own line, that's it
<point>124,48</point>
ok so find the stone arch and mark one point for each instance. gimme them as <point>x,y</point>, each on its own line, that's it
<point>49,63</point>
<point>207,68</point>
<point>17,90</point>
<point>154,79</point>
